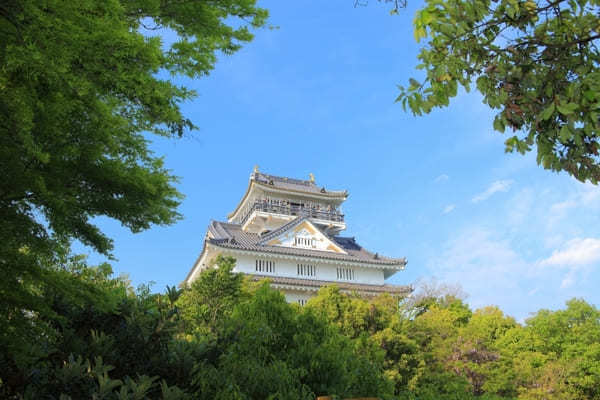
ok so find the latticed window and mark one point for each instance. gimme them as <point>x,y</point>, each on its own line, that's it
<point>302,302</point>
<point>345,274</point>
<point>304,241</point>
<point>307,270</point>
<point>267,266</point>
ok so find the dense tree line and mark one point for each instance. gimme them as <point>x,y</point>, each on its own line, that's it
<point>228,338</point>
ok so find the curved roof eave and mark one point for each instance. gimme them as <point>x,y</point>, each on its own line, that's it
<point>398,265</point>
<point>185,281</point>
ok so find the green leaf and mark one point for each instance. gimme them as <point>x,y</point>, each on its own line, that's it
<point>420,33</point>
<point>511,144</point>
<point>567,109</point>
<point>590,95</point>
<point>565,134</point>
<point>547,113</point>
<point>426,17</point>
<point>499,124</point>
<point>522,147</point>
<point>414,84</point>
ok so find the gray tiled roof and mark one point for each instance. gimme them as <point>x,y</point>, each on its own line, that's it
<point>346,286</point>
<point>299,185</point>
<point>228,235</point>
<point>290,225</point>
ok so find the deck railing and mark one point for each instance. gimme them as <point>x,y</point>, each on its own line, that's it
<point>289,209</point>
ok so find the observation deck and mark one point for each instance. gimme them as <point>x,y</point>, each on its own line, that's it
<point>293,210</point>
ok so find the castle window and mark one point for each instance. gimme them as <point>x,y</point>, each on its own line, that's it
<point>304,241</point>
<point>302,302</point>
<point>267,266</point>
<point>306,270</point>
<point>345,274</point>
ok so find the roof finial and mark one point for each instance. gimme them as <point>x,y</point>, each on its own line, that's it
<point>255,169</point>
<point>311,177</point>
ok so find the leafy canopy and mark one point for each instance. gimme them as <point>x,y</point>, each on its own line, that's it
<point>211,298</point>
<point>81,86</point>
<point>228,338</point>
<point>535,62</point>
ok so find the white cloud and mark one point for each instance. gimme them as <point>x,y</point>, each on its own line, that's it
<point>562,206</point>
<point>537,249</point>
<point>568,280</point>
<point>449,208</point>
<point>576,252</point>
<point>553,241</point>
<point>582,197</point>
<point>590,194</point>
<point>519,207</point>
<point>495,187</point>
<point>441,178</point>
<point>559,210</point>
<point>493,269</point>
<point>487,267</point>
<point>576,257</point>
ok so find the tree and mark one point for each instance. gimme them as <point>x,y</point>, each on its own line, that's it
<point>560,353</point>
<point>432,292</point>
<point>110,342</point>
<point>210,299</point>
<point>476,357</point>
<point>80,88</point>
<point>536,62</point>
<point>272,349</point>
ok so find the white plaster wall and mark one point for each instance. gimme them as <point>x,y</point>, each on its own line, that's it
<point>293,296</point>
<point>325,271</point>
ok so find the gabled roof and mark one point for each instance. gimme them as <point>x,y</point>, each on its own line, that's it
<point>285,227</point>
<point>278,235</point>
<point>231,236</point>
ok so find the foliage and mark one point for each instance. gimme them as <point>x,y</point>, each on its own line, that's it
<point>126,343</point>
<point>224,338</point>
<point>210,299</point>
<point>558,353</point>
<point>272,348</point>
<point>435,347</point>
<point>536,62</point>
<point>81,86</point>
<point>111,344</point>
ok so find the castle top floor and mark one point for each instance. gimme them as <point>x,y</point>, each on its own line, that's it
<point>271,201</point>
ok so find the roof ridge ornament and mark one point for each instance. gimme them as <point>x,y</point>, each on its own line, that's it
<point>311,177</point>
<point>255,173</point>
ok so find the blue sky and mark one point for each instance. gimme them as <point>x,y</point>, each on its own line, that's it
<point>317,95</point>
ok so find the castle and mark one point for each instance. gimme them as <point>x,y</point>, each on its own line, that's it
<point>287,230</point>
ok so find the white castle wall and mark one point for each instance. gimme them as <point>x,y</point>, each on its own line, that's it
<point>324,271</point>
<point>297,297</point>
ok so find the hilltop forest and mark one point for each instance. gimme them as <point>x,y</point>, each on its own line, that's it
<point>228,338</point>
